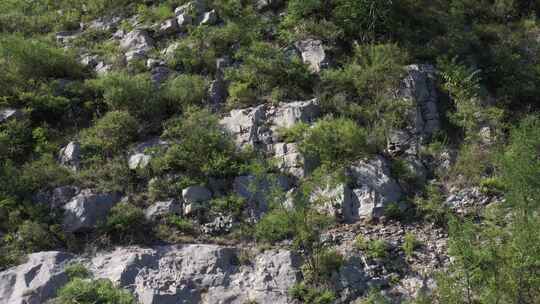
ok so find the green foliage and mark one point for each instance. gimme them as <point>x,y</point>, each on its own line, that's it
<point>410,244</point>
<point>199,147</point>
<point>76,270</point>
<point>110,134</point>
<point>181,224</point>
<point>374,296</point>
<point>15,139</point>
<point>125,223</point>
<point>335,142</point>
<point>111,175</point>
<point>267,72</point>
<point>81,291</point>
<point>135,94</point>
<point>154,14</point>
<point>43,173</point>
<point>275,226</point>
<point>375,249</point>
<point>232,204</point>
<point>307,294</point>
<point>185,91</point>
<point>431,205</point>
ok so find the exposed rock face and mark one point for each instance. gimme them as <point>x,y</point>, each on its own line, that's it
<point>87,209</point>
<point>7,114</point>
<point>169,27</point>
<point>209,18</point>
<point>290,160</point>
<point>313,54</point>
<point>136,44</point>
<point>372,188</point>
<point>199,274</point>
<point>419,86</point>
<point>169,274</point>
<point>35,281</point>
<point>70,155</point>
<point>164,208</point>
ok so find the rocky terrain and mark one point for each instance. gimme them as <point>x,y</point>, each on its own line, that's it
<point>267,152</point>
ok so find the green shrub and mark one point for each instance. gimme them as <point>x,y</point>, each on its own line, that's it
<point>135,94</point>
<point>125,223</point>
<point>375,249</point>
<point>309,294</point>
<point>329,261</point>
<point>492,185</point>
<point>185,91</point>
<point>199,148</point>
<point>110,134</point>
<point>76,270</point>
<point>274,226</point>
<point>431,205</point>
<point>181,224</point>
<point>43,174</point>
<point>33,237</point>
<point>112,175</point>
<point>15,139</point>
<point>410,243</point>
<point>231,204</point>
<point>81,291</point>
<point>154,14</point>
<point>374,296</point>
<point>335,142</point>
<point>264,70</point>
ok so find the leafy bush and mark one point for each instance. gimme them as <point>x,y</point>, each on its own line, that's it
<point>185,91</point>
<point>265,71</point>
<point>231,204</point>
<point>308,294</point>
<point>112,175</point>
<point>110,134</point>
<point>125,223</point>
<point>76,270</point>
<point>335,142</point>
<point>15,139</point>
<point>43,174</point>
<point>410,243</point>
<point>81,291</point>
<point>431,205</point>
<point>135,94</point>
<point>274,226</point>
<point>375,249</point>
<point>199,147</point>
<point>181,224</point>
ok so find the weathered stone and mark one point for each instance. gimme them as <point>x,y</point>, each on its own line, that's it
<point>87,209</point>
<point>153,63</point>
<point>245,125</point>
<point>104,23</point>
<point>35,281</point>
<point>219,225</point>
<point>169,51</point>
<point>420,87</point>
<point>164,208</point>
<point>70,155</point>
<point>136,44</point>
<point>290,160</point>
<point>289,114</point>
<point>333,200</point>
<point>183,21</point>
<point>195,7</point>
<point>313,54</point>
<point>200,274</point>
<point>373,188</point>
<point>7,114</point>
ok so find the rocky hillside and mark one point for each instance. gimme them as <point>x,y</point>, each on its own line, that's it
<point>269,151</point>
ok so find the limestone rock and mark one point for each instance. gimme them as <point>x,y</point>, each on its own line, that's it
<point>140,157</point>
<point>87,209</point>
<point>420,87</point>
<point>136,44</point>
<point>245,125</point>
<point>70,155</point>
<point>289,114</point>
<point>196,7</point>
<point>164,208</point>
<point>35,281</point>
<point>62,195</point>
<point>313,54</point>
<point>373,188</point>
<point>168,27</point>
<point>209,18</point>
<point>183,20</point>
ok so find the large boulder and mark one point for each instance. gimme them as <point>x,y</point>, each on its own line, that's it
<point>420,88</point>
<point>286,115</point>
<point>245,125</point>
<point>87,209</point>
<point>373,188</point>
<point>313,54</point>
<point>199,274</point>
<point>62,195</point>
<point>70,155</point>
<point>35,281</point>
<point>136,44</point>
<point>290,160</point>
<point>164,208</point>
